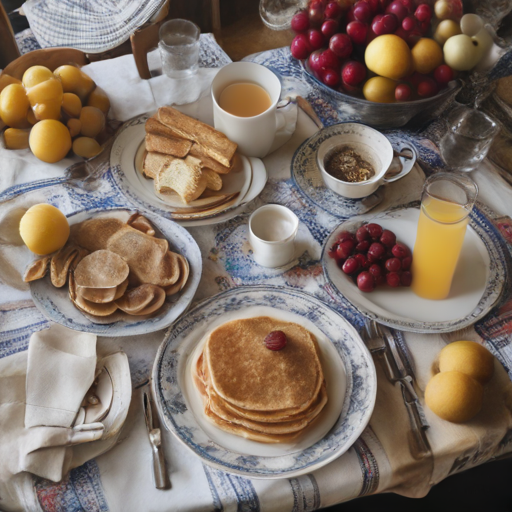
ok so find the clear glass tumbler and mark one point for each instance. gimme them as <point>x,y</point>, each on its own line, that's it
<point>179,48</point>
<point>468,138</point>
<point>446,203</point>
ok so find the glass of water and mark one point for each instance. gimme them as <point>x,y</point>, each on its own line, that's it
<point>179,48</point>
<point>468,138</point>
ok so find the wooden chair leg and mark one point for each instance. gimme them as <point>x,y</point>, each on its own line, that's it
<point>9,50</point>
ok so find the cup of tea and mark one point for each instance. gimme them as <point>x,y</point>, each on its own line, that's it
<point>245,97</point>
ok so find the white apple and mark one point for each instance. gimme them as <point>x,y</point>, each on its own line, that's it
<point>461,52</point>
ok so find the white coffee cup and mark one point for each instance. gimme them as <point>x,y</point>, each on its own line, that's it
<point>272,232</point>
<point>254,135</point>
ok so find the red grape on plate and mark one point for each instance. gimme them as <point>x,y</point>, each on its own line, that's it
<point>393,265</point>
<point>405,279</point>
<point>365,282</point>
<point>350,266</point>
<point>388,238</point>
<point>345,235</point>
<point>376,252</point>
<point>362,234</point>
<point>393,279</point>
<point>363,261</point>
<point>345,249</point>
<point>375,231</point>
<point>314,62</point>
<point>316,15</point>
<point>363,246</point>
<point>400,250</point>
<point>409,23</point>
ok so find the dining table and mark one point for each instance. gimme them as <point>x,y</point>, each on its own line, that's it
<point>383,458</point>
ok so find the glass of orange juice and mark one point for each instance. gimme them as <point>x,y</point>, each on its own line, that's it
<point>446,202</point>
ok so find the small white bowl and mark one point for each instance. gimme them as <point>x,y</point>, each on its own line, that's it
<point>272,232</point>
<point>373,146</point>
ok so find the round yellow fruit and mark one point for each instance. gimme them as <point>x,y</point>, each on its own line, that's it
<point>380,90</point>
<point>44,229</point>
<point>454,396</point>
<point>14,106</point>
<point>445,30</point>
<point>75,80</point>
<point>427,55</point>
<point>50,140</point>
<point>34,75</point>
<point>388,56</point>
<point>467,357</point>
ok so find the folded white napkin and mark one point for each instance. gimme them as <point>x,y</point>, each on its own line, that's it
<point>53,377</point>
<point>61,365</point>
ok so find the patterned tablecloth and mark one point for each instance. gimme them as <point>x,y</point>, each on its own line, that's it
<point>380,460</point>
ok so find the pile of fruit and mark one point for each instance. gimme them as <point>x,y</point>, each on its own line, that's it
<point>382,50</point>
<point>46,110</point>
<point>373,257</point>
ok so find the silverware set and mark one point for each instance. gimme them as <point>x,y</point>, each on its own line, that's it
<point>383,346</point>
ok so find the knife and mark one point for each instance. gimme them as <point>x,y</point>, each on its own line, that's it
<point>155,439</point>
<point>376,337</point>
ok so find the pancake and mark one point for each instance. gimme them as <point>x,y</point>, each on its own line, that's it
<point>271,424</point>
<point>246,374</point>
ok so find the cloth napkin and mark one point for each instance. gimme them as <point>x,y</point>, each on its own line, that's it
<point>40,395</point>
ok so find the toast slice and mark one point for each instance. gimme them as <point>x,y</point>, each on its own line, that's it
<point>213,180</point>
<point>167,145</point>
<point>214,143</point>
<point>206,161</point>
<point>153,162</point>
<point>182,176</point>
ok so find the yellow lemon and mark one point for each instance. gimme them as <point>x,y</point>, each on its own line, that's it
<point>380,90</point>
<point>467,357</point>
<point>454,396</point>
<point>426,56</point>
<point>50,140</point>
<point>389,56</point>
<point>44,229</point>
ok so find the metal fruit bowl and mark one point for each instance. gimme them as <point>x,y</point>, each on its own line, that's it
<point>386,115</point>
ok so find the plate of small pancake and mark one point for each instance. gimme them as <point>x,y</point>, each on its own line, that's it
<point>121,273</point>
<point>263,413</point>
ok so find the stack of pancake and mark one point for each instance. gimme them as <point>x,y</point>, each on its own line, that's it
<point>257,393</point>
<point>184,155</point>
<point>112,265</point>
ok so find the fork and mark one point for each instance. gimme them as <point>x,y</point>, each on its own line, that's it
<point>378,344</point>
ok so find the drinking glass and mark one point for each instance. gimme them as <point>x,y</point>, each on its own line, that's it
<point>179,48</point>
<point>446,202</point>
<point>468,138</point>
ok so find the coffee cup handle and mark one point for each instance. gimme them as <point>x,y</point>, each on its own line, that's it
<point>406,164</point>
<point>280,121</point>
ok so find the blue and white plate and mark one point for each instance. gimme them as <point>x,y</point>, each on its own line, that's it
<point>477,285</point>
<point>348,368</point>
<point>307,176</point>
<point>56,305</point>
